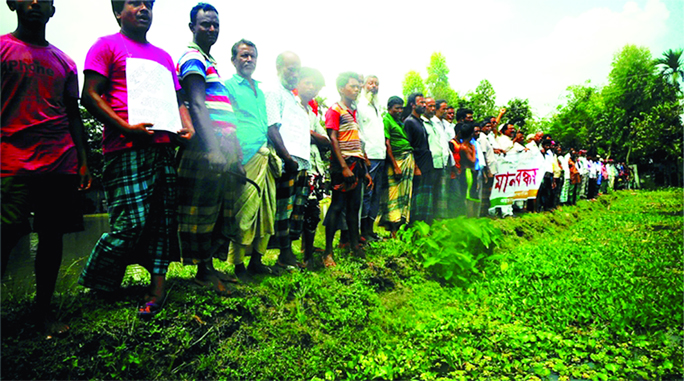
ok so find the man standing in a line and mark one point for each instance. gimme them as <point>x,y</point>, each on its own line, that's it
<point>286,112</point>
<point>255,207</point>
<point>139,176</point>
<point>372,133</point>
<point>43,148</point>
<point>205,213</point>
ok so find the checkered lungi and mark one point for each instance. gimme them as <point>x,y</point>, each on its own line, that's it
<point>395,202</point>
<point>206,207</point>
<point>140,187</point>
<point>292,191</point>
<point>421,203</point>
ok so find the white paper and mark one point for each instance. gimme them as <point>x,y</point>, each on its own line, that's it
<point>151,95</point>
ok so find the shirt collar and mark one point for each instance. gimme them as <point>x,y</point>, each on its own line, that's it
<point>241,80</point>
<point>207,57</point>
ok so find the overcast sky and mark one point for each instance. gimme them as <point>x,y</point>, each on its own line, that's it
<point>530,49</point>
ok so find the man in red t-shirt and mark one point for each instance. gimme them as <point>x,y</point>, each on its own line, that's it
<point>43,152</point>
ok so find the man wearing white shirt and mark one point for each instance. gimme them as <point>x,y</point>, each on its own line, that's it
<point>439,148</point>
<point>490,167</point>
<point>448,183</point>
<point>292,187</point>
<point>372,135</point>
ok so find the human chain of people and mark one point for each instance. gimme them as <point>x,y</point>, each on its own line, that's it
<point>243,170</point>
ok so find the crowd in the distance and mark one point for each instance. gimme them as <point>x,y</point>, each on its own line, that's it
<point>252,165</point>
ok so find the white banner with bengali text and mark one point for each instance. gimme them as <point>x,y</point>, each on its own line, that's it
<point>519,177</point>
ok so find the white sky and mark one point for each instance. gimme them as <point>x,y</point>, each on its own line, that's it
<point>530,49</point>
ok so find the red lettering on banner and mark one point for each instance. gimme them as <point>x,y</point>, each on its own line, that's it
<point>526,176</point>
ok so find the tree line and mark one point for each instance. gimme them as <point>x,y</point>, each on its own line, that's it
<point>636,118</point>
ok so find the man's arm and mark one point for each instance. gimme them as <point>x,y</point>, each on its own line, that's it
<point>291,165</point>
<point>337,155</point>
<point>78,136</point>
<point>93,87</point>
<point>390,154</point>
<point>195,90</point>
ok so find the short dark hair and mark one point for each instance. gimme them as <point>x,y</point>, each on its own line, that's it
<point>410,101</point>
<point>461,113</point>
<point>467,129</point>
<point>307,72</point>
<point>201,7</point>
<point>344,78</point>
<point>394,100</point>
<point>438,103</point>
<point>489,118</point>
<point>448,107</point>
<point>234,49</point>
<point>118,6</point>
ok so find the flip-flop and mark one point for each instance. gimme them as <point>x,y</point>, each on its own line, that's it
<point>55,328</point>
<point>214,284</point>
<point>150,309</point>
<point>328,261</point>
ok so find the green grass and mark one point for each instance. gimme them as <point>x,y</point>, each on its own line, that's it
<point>586,292</point>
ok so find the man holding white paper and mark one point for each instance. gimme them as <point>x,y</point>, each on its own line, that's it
<point>139,176</point>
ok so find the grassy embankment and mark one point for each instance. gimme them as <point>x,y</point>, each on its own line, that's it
<point>592,291</point>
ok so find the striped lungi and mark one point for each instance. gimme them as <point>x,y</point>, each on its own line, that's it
<point>395,200</point>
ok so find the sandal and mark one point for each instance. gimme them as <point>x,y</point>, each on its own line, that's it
<point>328,261</point>
<point>54,328</point>
<point>150,309</point>
<point>223,277</point>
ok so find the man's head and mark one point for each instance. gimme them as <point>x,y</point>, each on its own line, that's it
<point>464,115</point>
<point>430,107</point>
<point>311,81</point>
<point>440,108</point>
<point>134,16</point>
<point>288,66</point>
<point>450,114</point>
<point>508,129</point>
<point>34,14</point>
<point>467,129</point>
<point>395,106</point>
<point>415,103</point>
<point>538,136</point>
<point>486,126</point>
<point>372,84</point>
<point>476,130</point>
<point>349,85</point>
<point>244,56</point>
<point>204,25</point>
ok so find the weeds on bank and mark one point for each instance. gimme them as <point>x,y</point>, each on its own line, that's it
<point>595,295</point>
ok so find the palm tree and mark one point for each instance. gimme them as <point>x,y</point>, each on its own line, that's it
<point>672,66</point>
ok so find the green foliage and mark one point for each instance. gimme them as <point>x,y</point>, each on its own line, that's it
<point>672,66</point>
<point>518,112</point>
<point>591,291</point>
<point>455,249</point>
<point>413,83</point>
<point>483,100</point>
<point>93,132</point>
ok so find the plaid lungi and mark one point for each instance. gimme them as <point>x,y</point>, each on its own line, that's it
<point>421,203</point>
<point>395,201</point>
<point>140,187</point>
<point>440,193</point>
<point>205,213</point>
<point>292,191</point>
<point>254,211</point>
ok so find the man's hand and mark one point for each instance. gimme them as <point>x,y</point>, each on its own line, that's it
<point>397,173</point>
<point>239,169</point>
<point>186,133</point>
<point>86,179</point>
<point>498,151</point>
<point>417,171</point>
<point>291,165</point>
<point>140,129</point>
<point>349,176</point>
<point>369,181</point>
